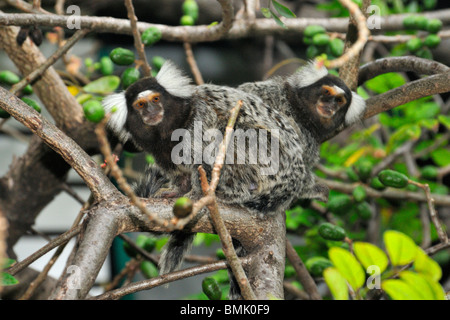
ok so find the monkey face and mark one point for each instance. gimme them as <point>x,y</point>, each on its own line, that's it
<point>149,106</point>
<point>331,99</point>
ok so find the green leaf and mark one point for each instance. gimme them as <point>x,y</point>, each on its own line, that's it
<point>441,157</point>
<point>404,133</point>
<point>6,263</point>
<point>284,11</point>
<point>277,20</point>
<point>399,290</point>
<point>336,283</point>
<point>103,85</point>
<point>438,291</point>
<point>385,82</point>
<point>348,266</point>
<point>401,248</point>
<point>445,120</point>
<point>419,284</point>
<point>266,12</point>
<point>7,280</point>
<point>430,124</point>
<point>370,255</point>
<point>424,264</point>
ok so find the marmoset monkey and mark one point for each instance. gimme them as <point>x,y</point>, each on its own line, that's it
<point>282,120</point>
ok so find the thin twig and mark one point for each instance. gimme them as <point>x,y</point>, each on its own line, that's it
<point>137,39</point>
<point>3,237</point>
<point>117,174</point>
<point>192,63</point>
<point>433,214</point>
<point>303,275</point>
<point>49,62</point>
<point>363,35</point>
<point>65,237</point>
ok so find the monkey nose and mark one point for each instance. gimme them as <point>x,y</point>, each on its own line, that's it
<point>325,110</point>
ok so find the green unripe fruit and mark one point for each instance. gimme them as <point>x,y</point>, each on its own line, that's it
<point>321,39</point>
<point>429,4</point>
<point>339,204</point>
<point>337,47</point>
<point>312,51</point>
<point>190,8</point>
<point>312,30</point>
<point>182,207</point>
<point>364,169</point>
<point>363,210</point>
<point>434,25</point>
<point>9,77</point>
<point>145,242</point>
<point>410,22</point>
<point>130,76</point>
<point>187,21</point>
<point>122,57</point>
<point>429,172</point>
<point>158,62</point>
<point>307,40</point>
<point>359,194</point>
<point>421,22</point>
<point>424,53</point>
<point>219,254</point>
<point>414,44</point>
<point>394,179</point>
<point>376,184</point>
<point>330,231</point>
<point>149,270</point>
<point>211,289</point>
<point>432,41</point>
<point>93,111</point>
<point>151,35</point>
<point>106,66</point>
<point>316,265</point>
<point>351,174</point>
<point>28,89</point>
<point>32,104</point>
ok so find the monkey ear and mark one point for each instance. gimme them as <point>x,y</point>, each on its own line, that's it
<point>307,75</point>
<point>355,110</point>
<point>174,80</point>
<point>116,104</point>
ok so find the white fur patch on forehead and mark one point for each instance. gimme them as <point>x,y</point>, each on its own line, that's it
<point>144,94</point>
<point>118,118</point>
<point>355,110</point>
<point>174,80</point>
<point>306,76</point>
<point>338,90</point>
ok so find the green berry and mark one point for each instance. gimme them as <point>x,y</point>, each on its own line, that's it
<point>429,172</point>
<point>28,89</point>
<point>391,178</point>
<point>339,204</point>
<point>432,41</point>
<point>312,30</point>
<point>130,76</point>
<point>425,53</point>
<point>158,62</point>
<point>190,8</point>
<point>414,44</point>
<point>332,232</point>
<point>359,193</point>
<point>32,104</point>
<point>409,22</point>
<point>187,21</point>
<point>434,25</point>
<point>321,39</point>
<point>122,57</point>
<point>106,66</point>
<point>421,22</point>
<point>337,47</point>
<point>149,270</point>
<point>9,77</point>
<point>211,288</point>
<point>182,207</point>
<point>312,51</point>
<point>151,35</point>
<point>316,265</point>
<point>93,111</point>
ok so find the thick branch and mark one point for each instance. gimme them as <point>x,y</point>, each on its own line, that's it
<point>239,29</point>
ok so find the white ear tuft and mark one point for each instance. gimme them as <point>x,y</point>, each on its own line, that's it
<point>307,75</point>
<point>355,110</point>
<point>174,80</point>
<point>116,123</point>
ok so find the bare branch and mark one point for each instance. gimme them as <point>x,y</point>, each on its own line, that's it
<point>192,63</point>
<point>137,39</point>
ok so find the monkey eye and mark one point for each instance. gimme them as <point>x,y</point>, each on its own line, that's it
<point>340,100</point>
<point>326,91</point>
<point>139,104</point>
<point>155,99</point>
